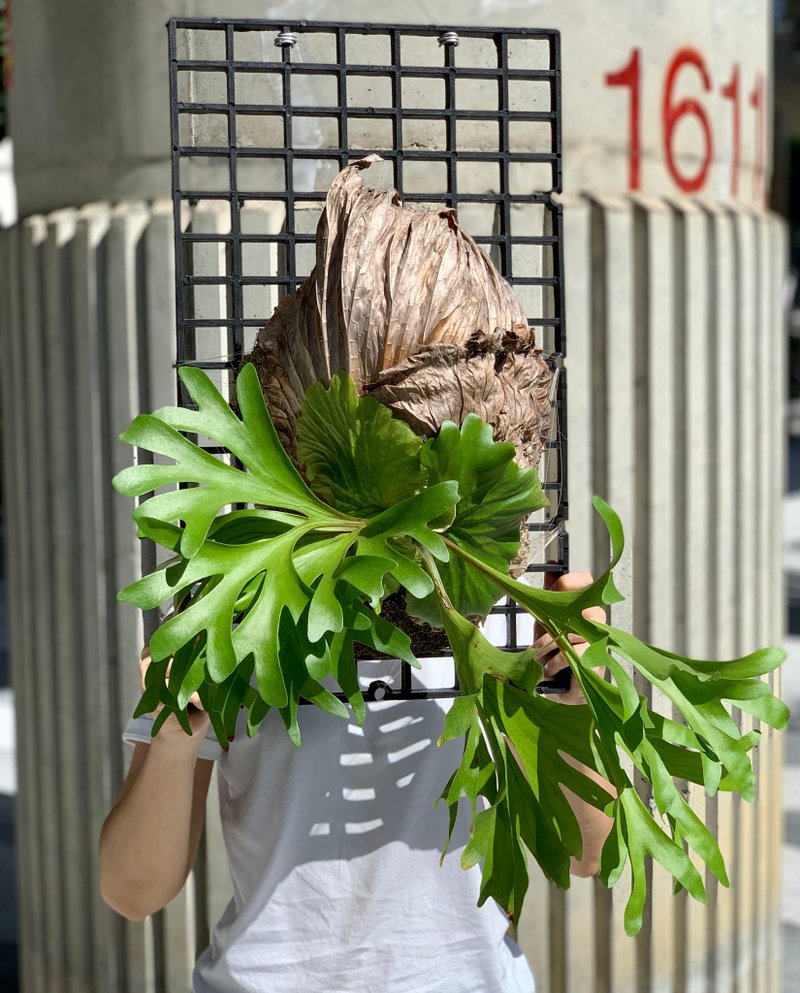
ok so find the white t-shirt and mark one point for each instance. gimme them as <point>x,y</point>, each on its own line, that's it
<point>334,855</point>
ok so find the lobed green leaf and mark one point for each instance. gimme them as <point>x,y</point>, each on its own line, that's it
<point>357,457</point>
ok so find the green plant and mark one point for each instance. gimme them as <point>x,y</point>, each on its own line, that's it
<point>283,591</point>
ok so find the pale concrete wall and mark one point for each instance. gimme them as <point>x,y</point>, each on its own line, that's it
<point>89,100</point>
<point>675,365</point>
<point>8,193</point>
<point>672,415</point>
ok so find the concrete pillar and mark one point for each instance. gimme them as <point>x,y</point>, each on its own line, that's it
<point>88,105</point>
<point>8,193</point>
<point>673,276</point>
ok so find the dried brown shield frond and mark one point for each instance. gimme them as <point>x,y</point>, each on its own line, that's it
<point>410,306</point>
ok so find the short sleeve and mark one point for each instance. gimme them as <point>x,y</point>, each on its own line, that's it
<point>140,728</point>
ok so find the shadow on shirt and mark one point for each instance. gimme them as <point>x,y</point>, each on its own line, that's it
<point>346,793</point>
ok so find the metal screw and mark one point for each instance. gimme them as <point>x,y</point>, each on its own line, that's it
<point>448,38</point>
<point>285,38</point>
<point>378,690</point>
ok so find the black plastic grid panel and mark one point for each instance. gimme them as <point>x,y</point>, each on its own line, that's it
<point>265,113</point>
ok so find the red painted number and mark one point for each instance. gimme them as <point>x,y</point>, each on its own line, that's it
<point>757,103</point>
<point>731,92</point>
<point>688,107</point>
<point>674,110</point>
<point>630,76</point>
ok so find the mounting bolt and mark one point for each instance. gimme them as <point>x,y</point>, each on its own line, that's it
<point>285,38</point>
<point>448,38</point>
<point>378,690</point>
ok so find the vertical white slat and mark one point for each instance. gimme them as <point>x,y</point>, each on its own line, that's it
<point>768,503</point>
<point>613,358</point>
<point>90,485</point>
<point>580,931</point>
<point>612,260</point>
<point>774,841</point>
<point>614,469</point>
<point>21,605</point>
<point>778,249</point>
<point>158,346</point>
<point>757,812</point>
<point>578,369</point>
<point>697,373</point>
<point>747,497</point>
<point>48,780</point>
<point>604,919</point>
<point>702,630</point>
<point>723,809</point>
<point>730,356</point>
<point>656,455</point>
<point>622,949</point>
<point>121,402</point>
<point>722,253</point>
<point>156,331</point>
<point>640,303</point>
<point>159,304</point>
<point>747,491</point>
<point>767,870</point>
<point>62,352</point>
<point>692,338</point>
<point>121,382</point>
<point>770,490</point>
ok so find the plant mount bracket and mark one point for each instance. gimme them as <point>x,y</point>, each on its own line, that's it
<point>264,113</point>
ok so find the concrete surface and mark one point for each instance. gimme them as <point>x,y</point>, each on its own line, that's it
<point>8,191</point>
<point>77,65</point>
<point>790,912</point>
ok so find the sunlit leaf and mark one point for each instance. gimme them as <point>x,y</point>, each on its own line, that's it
<point>357,457</point>
<point>495,494</point>
<point>271,600</point>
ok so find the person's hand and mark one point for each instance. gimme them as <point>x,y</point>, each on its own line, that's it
<point>171,733</point>
<point>548,653</point>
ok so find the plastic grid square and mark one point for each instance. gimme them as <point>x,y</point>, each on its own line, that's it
<point>255,102</point>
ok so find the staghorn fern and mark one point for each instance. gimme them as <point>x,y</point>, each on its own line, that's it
<point>282,592</point>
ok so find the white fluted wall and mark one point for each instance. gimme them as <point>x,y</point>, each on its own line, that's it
<point>676,382</point>
<point>675,373</point>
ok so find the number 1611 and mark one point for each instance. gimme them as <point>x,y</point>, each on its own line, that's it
<point>674,110</point>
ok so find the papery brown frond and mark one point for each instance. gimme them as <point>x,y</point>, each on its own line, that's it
<point>410,306</point>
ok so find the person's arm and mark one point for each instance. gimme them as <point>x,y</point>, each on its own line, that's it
<point>594,824</point>
<point>149,839</point>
